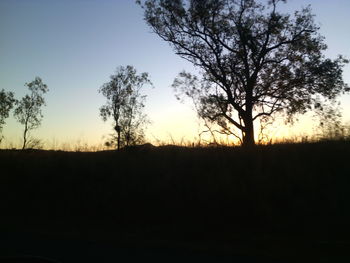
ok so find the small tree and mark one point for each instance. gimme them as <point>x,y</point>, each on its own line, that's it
<point>254,60</point>
<point>28,110</point>
<point>125,105</point>
<point>6,104</point>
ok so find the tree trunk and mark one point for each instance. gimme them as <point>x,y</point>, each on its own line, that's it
<point>248,138</point>
<point>118,147</point>
<point>117,129</point>
<point>25,137</point>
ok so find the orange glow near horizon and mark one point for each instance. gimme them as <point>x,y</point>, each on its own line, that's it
<point>172,126</point>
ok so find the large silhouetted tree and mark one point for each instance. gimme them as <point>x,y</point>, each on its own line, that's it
<point>28,110</point>
<point>6,104</point>
<point>125,105</point>
<point>254,60</point>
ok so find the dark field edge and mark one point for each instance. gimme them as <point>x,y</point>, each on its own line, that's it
<point>281,201</point>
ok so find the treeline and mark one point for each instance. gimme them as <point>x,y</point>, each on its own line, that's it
<point>124,106</point>
<point>27,110</point>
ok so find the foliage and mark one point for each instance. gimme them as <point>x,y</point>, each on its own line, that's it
<point>6,104</point>
<point>330,125</point>
<point>125,105</point>
<point>254,60</point>
<point>28,111</point>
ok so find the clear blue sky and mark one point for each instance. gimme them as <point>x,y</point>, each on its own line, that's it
<point>75,45</point>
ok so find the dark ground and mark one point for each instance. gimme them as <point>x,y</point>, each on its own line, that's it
<point>279,203</point>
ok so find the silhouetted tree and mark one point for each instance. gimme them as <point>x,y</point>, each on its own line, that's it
<point>254,60</point>
<point>28,110</point>
<point>6,104</point>
<point>125,105</point>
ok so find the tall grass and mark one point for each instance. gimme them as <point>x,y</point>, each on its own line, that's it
<point>326,132</point>
<point>289,188</point>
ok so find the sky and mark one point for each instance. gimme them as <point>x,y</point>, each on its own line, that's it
<point>75,45</point>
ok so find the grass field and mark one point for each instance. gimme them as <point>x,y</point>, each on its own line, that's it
<point>286,201</point>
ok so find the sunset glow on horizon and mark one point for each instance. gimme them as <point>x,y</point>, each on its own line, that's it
<point>74,46</point>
